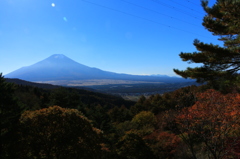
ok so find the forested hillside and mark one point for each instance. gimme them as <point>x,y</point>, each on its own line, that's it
<point>178,124</point>
<point>193,122</point>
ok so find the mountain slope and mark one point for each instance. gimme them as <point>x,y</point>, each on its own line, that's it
<point>59,67</point>
<point>55,67</point>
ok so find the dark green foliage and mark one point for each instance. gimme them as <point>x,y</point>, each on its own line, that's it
<point>70,97</point>
<point>221,65</point>
<point>140,105</point>
<point>100,118</point>
<point>131,146</point>
<point>142,124</point>
<point>31,98</point>
<point>10,113</point>
<point>121,114</point>
<point>67,98</point>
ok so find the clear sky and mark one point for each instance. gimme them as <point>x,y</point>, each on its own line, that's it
<point>123,36</point>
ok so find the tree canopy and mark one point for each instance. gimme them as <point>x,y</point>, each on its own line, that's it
<point>220,63</point>
<point>215,121</point>
<point>10,111</point>
<point>57,132</point>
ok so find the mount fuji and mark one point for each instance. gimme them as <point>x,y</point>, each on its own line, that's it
<point>59,67</point>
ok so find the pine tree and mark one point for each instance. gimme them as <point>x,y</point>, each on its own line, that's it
<point>221,65</point>
<point>10,112</point>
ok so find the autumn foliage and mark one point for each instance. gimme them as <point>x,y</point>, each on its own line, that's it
<point>212,121</point>
<point>164,144</point>
<point>57,132</point>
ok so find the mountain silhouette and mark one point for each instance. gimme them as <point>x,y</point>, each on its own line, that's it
<point>59,67</point>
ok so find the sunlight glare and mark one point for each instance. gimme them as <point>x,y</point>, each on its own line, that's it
<point>53,4</point>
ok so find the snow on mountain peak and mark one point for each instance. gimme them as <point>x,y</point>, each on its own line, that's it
<point>59,56</point>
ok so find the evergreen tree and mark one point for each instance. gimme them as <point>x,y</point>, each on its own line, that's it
<point>220,64</point>
<point>10,113</point>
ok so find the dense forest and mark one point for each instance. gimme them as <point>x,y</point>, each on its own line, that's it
<point>72,123</point>
<point>192,122</point>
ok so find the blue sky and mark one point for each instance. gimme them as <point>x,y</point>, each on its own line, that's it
<point>125,36</point>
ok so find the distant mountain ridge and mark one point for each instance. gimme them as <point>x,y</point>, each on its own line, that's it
<point>59,67</point>
<point>55,67</point>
